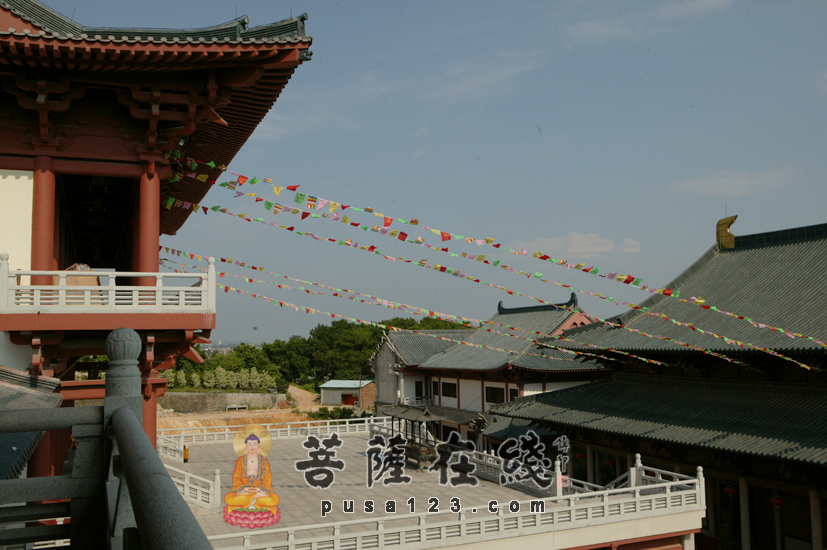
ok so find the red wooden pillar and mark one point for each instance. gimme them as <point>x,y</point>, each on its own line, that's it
<point>43,219</point>
<point>149,224</point>
<point>40,464</point>
<point>482,393</point>
<point>149,411</point>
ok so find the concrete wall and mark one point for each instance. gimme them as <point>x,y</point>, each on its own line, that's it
<point>16,188</point>
<point>206,402</point>
<point>469,395</point>
<point>331,397</point>
<point>410,386</point>
<point>12,356</point>
<point>386,383</point>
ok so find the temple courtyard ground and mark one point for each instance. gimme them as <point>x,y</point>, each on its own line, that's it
<point>301,505</point>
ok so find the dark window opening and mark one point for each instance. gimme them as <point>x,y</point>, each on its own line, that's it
<point>449,389</point>
<point>494,395</point>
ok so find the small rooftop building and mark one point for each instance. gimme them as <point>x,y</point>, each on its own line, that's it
<point>347,392</point>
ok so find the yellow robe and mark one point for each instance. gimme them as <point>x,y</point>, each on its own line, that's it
<point>236,499</point>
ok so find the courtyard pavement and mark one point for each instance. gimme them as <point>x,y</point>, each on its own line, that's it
<point>301,504</point>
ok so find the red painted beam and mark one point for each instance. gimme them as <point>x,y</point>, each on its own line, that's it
<point>106,321</point>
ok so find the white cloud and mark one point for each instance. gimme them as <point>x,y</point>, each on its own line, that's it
<point>732,184</point>
<point>580,245</point>
<point>640,23</point>
<point>689,8</point>
<point>600,31</point>
<point>629,245</point>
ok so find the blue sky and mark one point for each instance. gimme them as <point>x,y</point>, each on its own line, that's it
<point>611,133</point>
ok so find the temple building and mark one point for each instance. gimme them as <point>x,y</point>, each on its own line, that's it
<point>96,125</point>
<point>752,419</point>
<point>457,381</point>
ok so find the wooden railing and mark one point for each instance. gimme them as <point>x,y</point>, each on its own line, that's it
<point>166,296</point>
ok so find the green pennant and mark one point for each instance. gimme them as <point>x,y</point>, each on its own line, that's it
<point>268,205</point>
<point>253,181</point>
<point>299,199</point>
<point>537,274</point>
<point>215,208</point>
<point>497,263</point>
<point>222,184</point>
<point>258,219</point>
<point>211,164</point>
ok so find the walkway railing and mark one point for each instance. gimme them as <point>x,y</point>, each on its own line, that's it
<point>17,295</point>
<point>214,434</point>
<point>195,489</point>
<point>546,515</point>
<point>117,485</point>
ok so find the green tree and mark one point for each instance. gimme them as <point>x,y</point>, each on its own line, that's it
<point>181,378</point>
<point>221,378</point>
<point>293,357</point>
<point>209,379</point>
<point>170,377</point>
<point>228,361</point>
<point>255,379</point>
<point>196,380</point>
<point>252,357</point>
<point>232,380</point>
<point>243,377</point>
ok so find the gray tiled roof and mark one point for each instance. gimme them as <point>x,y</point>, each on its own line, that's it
<point>59,26</point>
<point>18,390</point>
<point>778,422</point>
<point>544,319</point>
<point>503,427</point>
<point>415,348</point>
<point>773,278</point>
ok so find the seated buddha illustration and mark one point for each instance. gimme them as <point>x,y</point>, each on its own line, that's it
<point>251,502</point>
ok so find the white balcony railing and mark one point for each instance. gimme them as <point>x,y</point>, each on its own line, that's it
<point>197,490</point>
<point>168,294</point>
<point>649,494</point>
<point>171,441</point>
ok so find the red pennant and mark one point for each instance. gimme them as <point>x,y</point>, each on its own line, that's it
<point>445,236</point>
<point>305,214</point>
<point>496,245</point>
<point>345,206</point>
<point>242,179</point>
<point>259,199</point>
<point>291,228</point>
<point>205,210</point>
<point>354,224</point>
<point>292,187</point>
<point>403,236</point>
<point>160,248</point>
<point>544,257</point>
<point>628,279</point>
<point>443,250</point>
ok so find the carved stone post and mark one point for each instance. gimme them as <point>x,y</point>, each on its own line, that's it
<point>123,379</point>
<point>123,391</point>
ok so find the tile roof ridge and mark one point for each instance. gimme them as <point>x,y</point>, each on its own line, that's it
<point>794,235</point>
<point>57,24</point>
